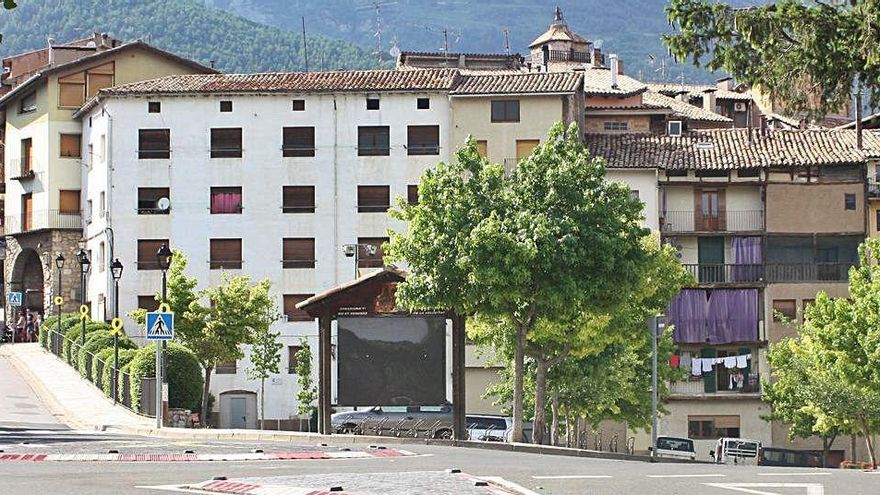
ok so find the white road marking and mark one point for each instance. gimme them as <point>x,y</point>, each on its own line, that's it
<point>811,488</point>
<point>686,475</point>
<point>170,488</point>
<point>497,480</point>
<point>573,477</point>
<point>818,473</point>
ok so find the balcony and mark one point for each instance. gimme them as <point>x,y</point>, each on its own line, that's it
<point>725,273</point>
<point>726,221</point>
<point>807,272</point>
<point>21,170</point>
<point>43,219</point>
<point>694,387</point>
<point>873,189</point>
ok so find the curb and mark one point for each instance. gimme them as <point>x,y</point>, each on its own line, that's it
<point>271,456</point>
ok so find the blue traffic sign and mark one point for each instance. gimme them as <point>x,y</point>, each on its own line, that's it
<point>13,298</point>
<point>160,326</point>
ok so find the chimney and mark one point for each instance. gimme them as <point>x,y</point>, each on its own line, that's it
<point>51,42</point>
<point>683,96</point>
<point>614,70</point>
<point>620,66</point>
<point>545,54</point>
<point>725,84</point>
<point>597,58</point>
<point>709,99</point>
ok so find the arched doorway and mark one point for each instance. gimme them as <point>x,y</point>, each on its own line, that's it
<point>27,277</point>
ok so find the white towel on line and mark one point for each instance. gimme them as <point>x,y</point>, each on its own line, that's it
<point>696,366</point>
<point>707,364</point>
<point>730,362</point>
<point>742,361</point>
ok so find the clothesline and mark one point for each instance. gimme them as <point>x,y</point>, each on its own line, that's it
<point>705,365</point>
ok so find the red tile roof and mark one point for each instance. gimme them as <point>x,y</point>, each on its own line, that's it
<point>519,83</point>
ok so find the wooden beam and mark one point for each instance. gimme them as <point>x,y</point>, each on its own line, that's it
<point>459,427</point>
<point>324,322</point>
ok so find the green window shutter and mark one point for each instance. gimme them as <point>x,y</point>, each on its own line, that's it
<point>710,385</point>
<point>748,369</point>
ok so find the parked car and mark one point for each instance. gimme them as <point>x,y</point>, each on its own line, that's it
<point>675,447</point>
<point>411,421</point>
<point>489,428</point>
<point>770,456</point>
<point>736,451</point>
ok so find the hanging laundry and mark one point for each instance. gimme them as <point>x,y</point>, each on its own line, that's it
<point>730,362</point>
<point>674,360</point>
<point>686,360</point>
<point>742,361</point>
<point>696,366</point>
<point>708,363</point>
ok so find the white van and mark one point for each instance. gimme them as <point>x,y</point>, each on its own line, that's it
<point>676,447</point>
<point>736,451</point>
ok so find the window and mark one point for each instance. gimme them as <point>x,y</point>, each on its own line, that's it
<point>849,201</point>
<point>148,303</point>
<point>154,144</point>
<point>505,111</point>
<point>806,303</point>
<point>226,368</point>
<point>91,158</point>
<point>373,199</point>
<point>412,194</point>
<point>423,103</point>
<point>713,427</point>
<point>290,310</point>
<point>298,199</point>
<point>298,141</point>
<point>72,90</point>
<point>711,173</point>
<point>147,249</point>
<point>482,148</point>
<point>226,143</point>
<point>27,155</point>
<point>298,253</point>
<point>102,258</point>
<point>376,260</point>
<point>88,211</point>
<point>148,200</point>
<point>785,307</point>
<point>748,173</point>
<point>299,106</point>
<point>673,128</point>
<point>372,103</point>
<point>225,253</point>
<point>877,219</point>
<point>99,78</point>
<point>634,194</point>
<point>102,203</point>
<point>225,106</point>
<point>226,200</point>
<point>70,145</point>
<point>68,202</point>
<point>524,148</point>
<point>616,126</point>
<point>423,140</point>
<point>154,107</point>
<point>292,351</point>
<point>677,172</point>
<point>374,141</point>
<point>28,103</point>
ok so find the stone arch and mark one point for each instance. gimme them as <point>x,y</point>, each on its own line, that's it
<point>28,277</point>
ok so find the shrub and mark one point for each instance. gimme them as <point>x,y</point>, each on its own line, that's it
<point>72,334</point>
<point>102,355</point>
<point>51,323</point>
<point>125,357</point>
<point>97,341</point>
<point>184,375</point>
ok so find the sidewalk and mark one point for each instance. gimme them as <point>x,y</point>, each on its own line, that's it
<point>75,401</point>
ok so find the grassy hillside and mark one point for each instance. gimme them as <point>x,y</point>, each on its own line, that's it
<point>631,28</point>
<point>186,27</point>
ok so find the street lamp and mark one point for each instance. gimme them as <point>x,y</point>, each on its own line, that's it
<point>84,264</point>
<point>116,271</point>
<point>355,250</point>
<point>59,263</point>
<point>163,257</point>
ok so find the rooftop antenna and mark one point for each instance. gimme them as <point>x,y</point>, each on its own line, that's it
<point>305,46</point>
<point>507,41</point>
<point>376,6</point>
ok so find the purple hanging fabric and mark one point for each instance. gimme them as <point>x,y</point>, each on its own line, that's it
<point>747,259</point>
<point>733,316</point>
<point>225,203</point>
<point>687,312</point>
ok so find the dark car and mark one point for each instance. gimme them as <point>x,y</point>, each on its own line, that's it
<point>770,456</point>
<point>409,421</point>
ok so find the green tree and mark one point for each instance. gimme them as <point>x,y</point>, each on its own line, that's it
<point>547,243</point>
<point>265,355</point>
<point>308,393</point>
<point>804,53</point>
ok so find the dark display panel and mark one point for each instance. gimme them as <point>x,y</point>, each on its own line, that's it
<point>387,361</point>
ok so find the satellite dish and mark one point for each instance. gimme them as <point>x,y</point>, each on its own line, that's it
<point>598,44</point>
<point>163,204</point>
<point>394,52</point>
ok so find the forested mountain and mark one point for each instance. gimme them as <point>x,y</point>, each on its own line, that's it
<point>186,27</point>
<point>631,28</point>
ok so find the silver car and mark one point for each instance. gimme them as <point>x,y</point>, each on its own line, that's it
<point>399,421</point>
<point>490,428</point>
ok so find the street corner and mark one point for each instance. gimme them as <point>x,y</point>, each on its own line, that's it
<point>449,482</point>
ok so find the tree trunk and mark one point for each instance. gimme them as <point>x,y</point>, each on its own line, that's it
<point>826,448</point>
<point>869,443</point>
<point>568,425</point>
<point>206,391</point>
<point>554,423</point>
<point>852,447</point>
<point>540,401</point>
<point>262,403</point>
<point>518,384</point>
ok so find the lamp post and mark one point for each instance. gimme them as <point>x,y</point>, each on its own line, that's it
<point>354,250</point>
<point>59,263</point>
<point>116,271</point>
<point>163,257</point>
<point>656,324</point>
<point>84,264</point>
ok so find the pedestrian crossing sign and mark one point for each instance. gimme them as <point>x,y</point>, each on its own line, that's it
<point>160,326</point>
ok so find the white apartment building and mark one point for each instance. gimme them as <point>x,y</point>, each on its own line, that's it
<point>267,175</point>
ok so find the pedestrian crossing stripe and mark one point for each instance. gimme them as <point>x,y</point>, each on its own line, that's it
<point>160,326</point>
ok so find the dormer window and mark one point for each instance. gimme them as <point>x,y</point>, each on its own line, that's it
<point>674,128</point>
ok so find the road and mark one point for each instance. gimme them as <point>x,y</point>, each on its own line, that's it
<point>26,426</point>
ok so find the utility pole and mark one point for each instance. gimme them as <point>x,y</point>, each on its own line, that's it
<point>507,41</point>
<point>655,324</point>
<point>305,48</point>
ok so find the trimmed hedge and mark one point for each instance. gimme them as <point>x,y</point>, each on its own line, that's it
<point>72,334</point>
<point>184,378</point>
<point>51,323</point>
<point>125,357</point>
<point>103,355</point>
<point>97,341</point>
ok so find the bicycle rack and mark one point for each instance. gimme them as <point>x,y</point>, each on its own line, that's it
<point>583,440</point>
<point>630,445</point>
<point>612,445</point>
<point>597,443</point>
<point>379,426</point>
<point>414,429</point>
<point>432,431</point>
<point>470,430</point>
<point>397,429</point>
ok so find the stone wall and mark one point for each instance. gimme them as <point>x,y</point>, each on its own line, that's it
<point>30,267</point>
